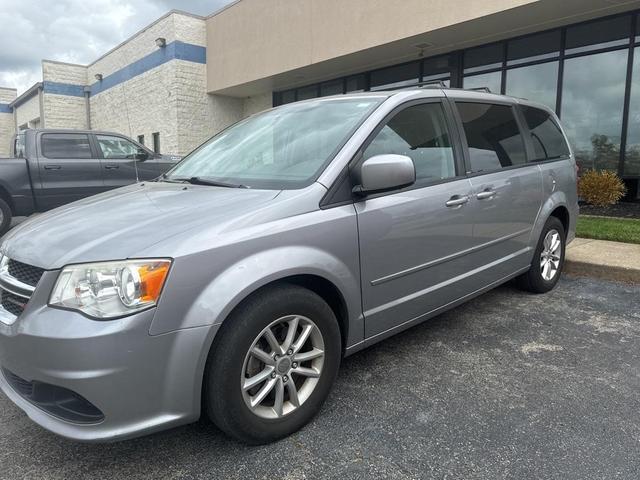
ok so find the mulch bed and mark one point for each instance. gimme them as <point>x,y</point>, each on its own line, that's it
<point>620,210</point>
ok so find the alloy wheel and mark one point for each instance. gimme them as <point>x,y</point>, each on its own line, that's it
<point>550,255</point>
<point>283,367</point>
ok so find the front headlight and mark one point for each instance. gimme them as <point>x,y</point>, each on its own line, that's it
<point>110,289</point>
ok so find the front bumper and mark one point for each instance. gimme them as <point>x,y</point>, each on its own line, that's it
<point>141,383</point>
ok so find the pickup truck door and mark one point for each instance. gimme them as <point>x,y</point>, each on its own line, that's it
<point>120,163</point>
<point>68,168</point>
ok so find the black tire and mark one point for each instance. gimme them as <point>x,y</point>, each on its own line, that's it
<point>6,217</point>
<point>533,280</point>
<point>223,396</point>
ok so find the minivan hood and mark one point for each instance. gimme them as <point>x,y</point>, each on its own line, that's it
<point>117,224</point>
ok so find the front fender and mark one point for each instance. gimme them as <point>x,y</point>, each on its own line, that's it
<point>225,292</point>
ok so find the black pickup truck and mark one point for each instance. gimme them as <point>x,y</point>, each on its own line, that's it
<point>50,168</point>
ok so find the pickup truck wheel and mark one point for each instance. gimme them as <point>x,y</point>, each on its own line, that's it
<point>5,217</point>
<point>273,364</point>
<point>548,259</point>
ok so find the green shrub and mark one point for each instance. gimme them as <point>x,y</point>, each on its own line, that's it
<point>601,188</point>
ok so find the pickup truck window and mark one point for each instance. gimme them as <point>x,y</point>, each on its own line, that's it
<point>66,145</point>
<point>18,146</point>
<point>116,147</point>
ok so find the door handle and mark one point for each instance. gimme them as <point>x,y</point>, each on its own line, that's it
<point>487,194</point>
<point>111,166</point>
<point>52,167</point>
<point>457,201</point>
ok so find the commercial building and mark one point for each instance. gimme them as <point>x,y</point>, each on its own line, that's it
<point>185,77</point>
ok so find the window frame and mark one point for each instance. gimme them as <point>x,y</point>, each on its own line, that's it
<point>108,134</point>
<point>41,148</point>
<point>336,195</point>
<point>517,115</point>
<point>155,140</point>
<point>529,138</point>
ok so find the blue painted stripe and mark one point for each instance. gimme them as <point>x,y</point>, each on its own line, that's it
<point>173,51</point>
<point>5,108</point>
<point>63,89</point>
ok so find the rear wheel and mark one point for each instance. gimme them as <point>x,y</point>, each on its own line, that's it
<point>273,365</point>
<point>548,259</point>
<point>5,217</point>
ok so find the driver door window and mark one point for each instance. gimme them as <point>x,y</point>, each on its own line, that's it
<point>420,133</point>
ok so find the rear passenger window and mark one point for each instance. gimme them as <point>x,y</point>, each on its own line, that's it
<point>66,145</point>
<point>547,138</point>
<point>419,132</point>
<point>493,136</point>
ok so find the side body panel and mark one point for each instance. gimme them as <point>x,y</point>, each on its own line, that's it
<point>65,180</point>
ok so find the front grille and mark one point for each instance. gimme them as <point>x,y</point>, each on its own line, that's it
<point>25,273</point>
<point>12,303</point>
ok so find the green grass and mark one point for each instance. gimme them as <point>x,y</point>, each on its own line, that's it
<point>614,229</point>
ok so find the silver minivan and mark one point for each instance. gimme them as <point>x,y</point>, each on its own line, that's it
<point>233,285</point>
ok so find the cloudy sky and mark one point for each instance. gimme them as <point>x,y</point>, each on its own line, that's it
<point>76,31</point>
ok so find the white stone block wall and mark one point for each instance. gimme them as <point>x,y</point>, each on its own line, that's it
<point>61,72</point>
<point>64,111</point>
<point>28,111</point>
<point>141,106</point>
<point>257,103</point>
<point>7,122</point>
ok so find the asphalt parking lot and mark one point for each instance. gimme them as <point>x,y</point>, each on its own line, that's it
<point>510,385</point>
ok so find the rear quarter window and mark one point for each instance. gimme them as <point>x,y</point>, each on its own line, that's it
<point>546,136</point>
<point>493,136</point>
<point>66,145</point>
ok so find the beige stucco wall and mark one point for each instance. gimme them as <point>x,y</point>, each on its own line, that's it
<point>256,46</point>
<point>254,39</point>
<point>64,111</point>
<point>7,122</point>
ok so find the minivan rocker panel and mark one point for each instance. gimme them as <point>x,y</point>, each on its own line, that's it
<point>275,261</point>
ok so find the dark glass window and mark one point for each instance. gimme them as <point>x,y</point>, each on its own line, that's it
<point>288,96</point>
<point>592,103</point>
<point>306,93</point>
<point>398,76</point>
<point>66,145</point>
<point>632,153</point>
<point>436,68</point>
<point>483,58</point>
<point>547,138</point>
<point>492,81</point>
<point>538,83</point>
<point>156,142</point>
<point>419,132</point>
<point>606,33</point>
<point>334,87</point>
<point>493,136</point>
<point>533,48</point>
<point>356,83</point>
<point>141,139</point>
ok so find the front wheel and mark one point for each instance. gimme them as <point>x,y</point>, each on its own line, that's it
<point>273,365</point>
<point>548,259</point>
<point>5,217</point>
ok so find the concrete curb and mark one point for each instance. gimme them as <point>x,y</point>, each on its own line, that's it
<point>606,260</point>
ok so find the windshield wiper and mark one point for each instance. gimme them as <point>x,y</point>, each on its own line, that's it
<point>203,181</point>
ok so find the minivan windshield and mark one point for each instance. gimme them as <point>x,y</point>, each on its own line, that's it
<point>283,148</point>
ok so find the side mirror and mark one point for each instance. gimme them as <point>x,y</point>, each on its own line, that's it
<point>385,172</point>
<point>142,154</point>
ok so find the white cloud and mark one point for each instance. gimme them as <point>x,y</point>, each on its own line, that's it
<point>76,31</point>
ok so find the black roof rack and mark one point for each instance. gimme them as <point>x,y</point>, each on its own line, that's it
<point>480,89</point>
